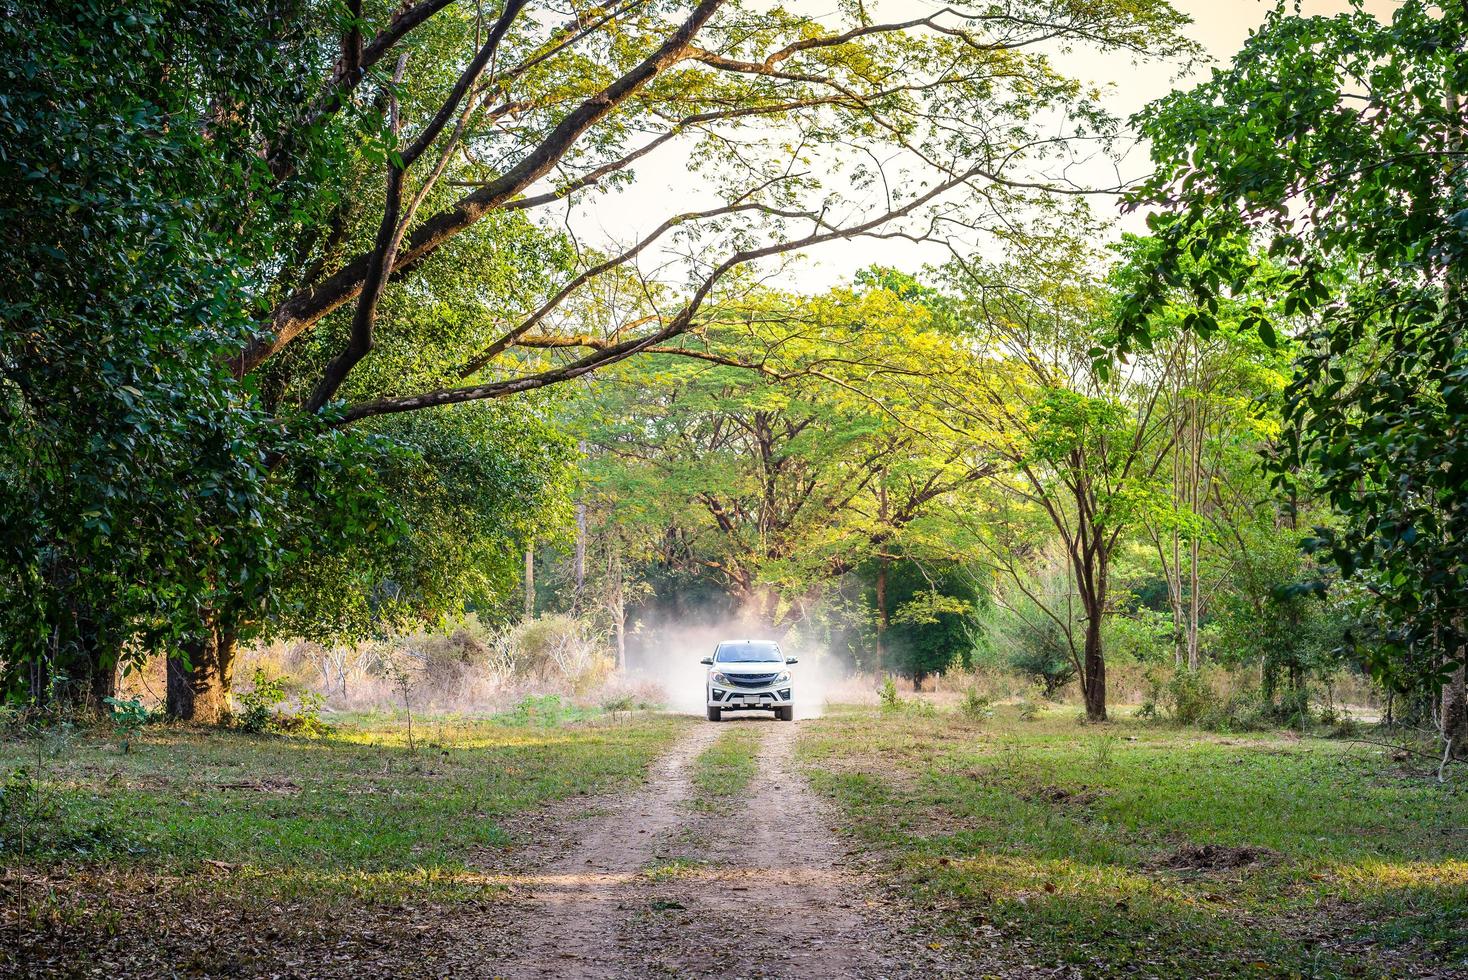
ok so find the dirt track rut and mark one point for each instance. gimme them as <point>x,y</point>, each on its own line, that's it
<point>653,884</point>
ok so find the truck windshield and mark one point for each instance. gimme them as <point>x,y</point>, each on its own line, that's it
<point>749,651</point>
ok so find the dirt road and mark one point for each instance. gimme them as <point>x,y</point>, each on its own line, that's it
<point>654,884</point>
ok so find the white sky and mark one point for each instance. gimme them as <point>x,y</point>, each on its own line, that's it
<point>663,184</point>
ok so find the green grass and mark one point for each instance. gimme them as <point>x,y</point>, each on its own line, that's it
<point>724,769</point>
<point>1061,835</point>
<point>355,816</point>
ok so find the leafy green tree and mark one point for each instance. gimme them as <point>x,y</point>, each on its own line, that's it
<point>132,481</point>
<point>252,174</point>
<point>1338,142</point>
<point>771,471</point>
<point>1081,447</point>
<point>934,625</point>
<point>1268,617</point>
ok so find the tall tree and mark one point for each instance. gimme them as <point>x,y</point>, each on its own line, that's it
<point>1339,142</point>
<point>254,177</point>
<point>798,464</point>
<point>1081,444</point>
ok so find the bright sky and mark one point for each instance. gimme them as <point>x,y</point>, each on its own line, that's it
<point>1221,26</point>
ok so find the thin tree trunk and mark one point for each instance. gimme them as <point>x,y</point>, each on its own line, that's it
<point>1092,582</point>
<point>1195,479</point>
<point>1095,674</point>
<point>580,562</point>
<point>580,565</point>
<point>530,581</point>
<point>882,621</point>
<point>619,608</point>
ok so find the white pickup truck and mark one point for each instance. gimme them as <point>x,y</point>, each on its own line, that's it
<point>750,675</point>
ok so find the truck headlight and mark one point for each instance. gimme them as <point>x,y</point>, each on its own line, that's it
<point>718,678</point>
<point>782,677</point>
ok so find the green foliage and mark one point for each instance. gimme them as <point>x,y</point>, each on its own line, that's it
<point>934,622</point>
<point>1189,696</point>
<point>132,466</point>
<point>26,808</point>
<point>128,718</point>
<point>1277,613</point>
<point>1042,652</point>
<point>887,695</point>
<point>262,708</point>
<point>1371,287</point>
<point>540,710</point>
<point>976,706</point>
<point>1029,707</point>
<point>147,495</point>
<point>447,507</point>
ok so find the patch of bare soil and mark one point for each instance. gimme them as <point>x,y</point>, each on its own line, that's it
<point>269,784</point>
<point>580,878</point>
<point>1060,796</point>
<point>1216,857</point>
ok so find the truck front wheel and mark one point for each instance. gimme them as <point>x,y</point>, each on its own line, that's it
<point>786,713</point>
<point>715,714</point>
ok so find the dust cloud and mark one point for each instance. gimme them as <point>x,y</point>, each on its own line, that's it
<point>668,656</point>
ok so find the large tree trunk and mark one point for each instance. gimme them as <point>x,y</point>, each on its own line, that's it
<point>1455,711</point>
<point>199,680</point>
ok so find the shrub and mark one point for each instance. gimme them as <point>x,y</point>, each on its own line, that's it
<point>262,713</point>
<point>888,697</point>
<point>1190,697</point>
<point>1029,708</point>
<point>556,649</point>
<point>545,710</point>
<point>618,704</point>
<point>128,718</point>
<point>1042,653</point>
<point>919,708</point>
<point>976,706</point>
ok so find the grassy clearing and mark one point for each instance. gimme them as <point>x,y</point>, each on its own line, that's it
<point>1090,845</point>
<point>272,826</point>
<point>356,803</point>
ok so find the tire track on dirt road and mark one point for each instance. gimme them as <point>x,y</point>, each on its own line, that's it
<point>664,883</point>
<point>580,882</point>
<point>777,894</point>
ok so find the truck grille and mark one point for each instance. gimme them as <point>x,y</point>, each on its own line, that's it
<point>752,680</point>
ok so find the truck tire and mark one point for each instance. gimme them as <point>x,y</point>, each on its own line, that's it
<point>787,713</point>
<point>716,714</point>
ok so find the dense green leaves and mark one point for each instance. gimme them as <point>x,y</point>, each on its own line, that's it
<point>1337,144</point>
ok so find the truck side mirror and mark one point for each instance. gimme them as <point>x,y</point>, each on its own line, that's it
<point>792,660</point>
<point>707,660</point>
